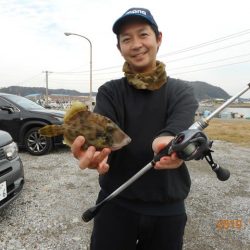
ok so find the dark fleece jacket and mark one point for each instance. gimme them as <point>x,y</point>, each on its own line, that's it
<point>144,115</point>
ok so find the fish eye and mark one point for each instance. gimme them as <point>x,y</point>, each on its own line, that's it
<point>110,128</point>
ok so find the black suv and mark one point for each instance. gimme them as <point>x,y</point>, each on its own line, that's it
<point>22,118</point>
<point>11,170</point>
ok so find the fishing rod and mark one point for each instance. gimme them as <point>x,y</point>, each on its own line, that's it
<point>191,144</point>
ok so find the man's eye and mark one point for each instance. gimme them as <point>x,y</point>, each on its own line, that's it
<point>124,40</point>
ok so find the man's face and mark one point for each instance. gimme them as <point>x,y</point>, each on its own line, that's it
<point>139,45</point>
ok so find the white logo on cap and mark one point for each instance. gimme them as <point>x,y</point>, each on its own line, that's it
<point>137,12</point>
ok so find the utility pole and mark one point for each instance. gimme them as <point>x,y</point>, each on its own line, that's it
<point>47,84</point>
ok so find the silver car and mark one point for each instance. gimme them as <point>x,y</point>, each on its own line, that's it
<point>11,170</point>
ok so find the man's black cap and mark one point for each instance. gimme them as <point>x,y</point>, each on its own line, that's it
<point>134,12</point>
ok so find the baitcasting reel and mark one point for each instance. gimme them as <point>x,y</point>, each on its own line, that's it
<point>193,144</point>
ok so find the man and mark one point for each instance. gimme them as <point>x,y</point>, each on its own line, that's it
<point>151,108</point>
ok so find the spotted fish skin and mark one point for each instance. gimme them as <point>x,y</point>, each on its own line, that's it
<point>99,131</point>
<point>51,130</point>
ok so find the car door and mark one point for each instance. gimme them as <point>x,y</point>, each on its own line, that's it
<point>9,118</point>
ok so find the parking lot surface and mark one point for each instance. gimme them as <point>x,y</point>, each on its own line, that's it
<point>47,214</point>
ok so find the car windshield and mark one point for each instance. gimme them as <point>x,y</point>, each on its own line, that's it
<point>24,102</point>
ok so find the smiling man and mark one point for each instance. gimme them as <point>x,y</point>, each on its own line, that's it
<point>151,108</point>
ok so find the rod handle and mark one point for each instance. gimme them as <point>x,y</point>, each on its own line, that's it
<point>90,213</point>
<point>163,152</point>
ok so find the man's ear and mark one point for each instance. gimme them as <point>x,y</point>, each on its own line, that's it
<point>159,40</point>
<point>118,47</point>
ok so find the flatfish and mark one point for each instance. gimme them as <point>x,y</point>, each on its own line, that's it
<point>99,131</point>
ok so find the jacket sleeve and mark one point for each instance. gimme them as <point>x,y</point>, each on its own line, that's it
<point>182,106</point>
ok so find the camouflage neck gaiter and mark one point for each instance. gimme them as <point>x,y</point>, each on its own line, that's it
<point>151,81</point>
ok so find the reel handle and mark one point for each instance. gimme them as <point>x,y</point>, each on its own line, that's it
<point>221,173</point>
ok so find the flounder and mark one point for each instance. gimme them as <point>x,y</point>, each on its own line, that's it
<point>99,131</point>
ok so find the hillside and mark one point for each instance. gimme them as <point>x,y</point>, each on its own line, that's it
<point>24,91</point>
<point>202,91</point>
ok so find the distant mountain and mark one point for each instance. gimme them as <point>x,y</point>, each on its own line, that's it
<point>24,91</point>
<point>202,91</point>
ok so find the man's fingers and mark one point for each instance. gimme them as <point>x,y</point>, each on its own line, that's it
<point>85,161</point>
<point>160,147</point>
<point>168,162</point>
<point>76,146</point>
<point>174,156</point>
<point>102,155</point>
<point>165,160</point>
<point>90,158</point>
<point>103,168</point>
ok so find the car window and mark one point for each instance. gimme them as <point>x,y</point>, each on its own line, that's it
<point>24,102</point>
<point>4,104</point>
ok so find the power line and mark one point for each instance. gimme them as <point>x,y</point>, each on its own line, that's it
<point>209,51</point>
<point>184,72</point>
<point>85,72</point>
<point>244,32</point>
<point>221,39</point>
<point>219,60</point>
<point>215,67</point>
<point>241,33</point>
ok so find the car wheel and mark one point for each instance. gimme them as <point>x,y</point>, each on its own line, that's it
<point>37,144</point>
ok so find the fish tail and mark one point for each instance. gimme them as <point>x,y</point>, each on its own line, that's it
<point>51,130</point>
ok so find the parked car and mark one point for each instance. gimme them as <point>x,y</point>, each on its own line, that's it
<point>22,118</point>
<point>11,170</point>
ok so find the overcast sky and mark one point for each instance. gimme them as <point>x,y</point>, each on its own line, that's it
<point>202,41</point>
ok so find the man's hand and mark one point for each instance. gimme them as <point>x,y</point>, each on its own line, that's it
<point>166,162</point>
<point>90,158</point>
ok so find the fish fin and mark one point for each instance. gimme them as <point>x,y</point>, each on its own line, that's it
<point>51,130</point>
<point>67,141</point>
<point>74,109</point>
